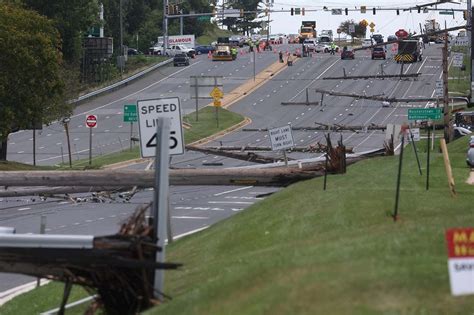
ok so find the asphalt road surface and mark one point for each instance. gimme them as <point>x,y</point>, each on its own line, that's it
<point>196,207</point>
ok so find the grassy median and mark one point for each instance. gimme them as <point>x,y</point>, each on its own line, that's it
<point>308,251</point>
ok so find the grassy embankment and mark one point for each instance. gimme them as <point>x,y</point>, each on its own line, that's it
<point>308,251</point>
<point>459,80</point>
<point>204,127</point>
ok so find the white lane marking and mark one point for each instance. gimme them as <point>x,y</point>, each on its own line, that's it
<point>187,217</point>
<point>231,202</point>
<point>231,191</point>
<point>63,202</point>
<point>188,233</point>
<point>23,209</point>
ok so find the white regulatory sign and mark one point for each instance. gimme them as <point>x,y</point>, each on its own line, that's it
<point>416,134</point>
<point>148,113</point>
<point>458,59</point>
<point>281,138</point>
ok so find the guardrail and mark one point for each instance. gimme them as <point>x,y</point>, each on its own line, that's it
<point>118,84</point>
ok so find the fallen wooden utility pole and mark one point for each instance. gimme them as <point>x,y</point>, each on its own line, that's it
<point>142,179</point>
<point>385,99</point>
<point>375,76</point>
<point>307,102</point>
<point>245,156</point>
<point>323,127</point>
<point>316,148</point>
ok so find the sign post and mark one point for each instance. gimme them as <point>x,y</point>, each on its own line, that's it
<point>91,122</point>
<point>130,115</point>
<point>217,94</point>
<point>281,138</point>
<point>148,113</point>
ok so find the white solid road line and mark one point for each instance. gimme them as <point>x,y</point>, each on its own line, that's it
<point>231,191</point>
<point>7,295</point>
<point>232,202</point>
<point>188,217</point>
<point>23,209</point>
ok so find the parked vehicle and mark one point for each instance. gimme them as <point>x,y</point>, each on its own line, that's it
<point>310,44</point>
<point>156,50</point>
<point>236,40</point>
<point>391,38</point>
<point>367,42</point>
<point>133,52</point>
<point>347,53</point>
<point>409,50</point>
<point>180,59</point>
<point>180,49</point>
<point>378,53</point>
<point>378,38</point>
<point>204,49</point>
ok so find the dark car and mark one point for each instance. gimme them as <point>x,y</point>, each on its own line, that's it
<point>204,49</point>
<point>133,52</point>
<point>391,38</point>
<point>378,53</point>
<point>347,53</point>
<point>180,59</point>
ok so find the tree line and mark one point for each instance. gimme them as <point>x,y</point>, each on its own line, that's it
<point>41,49</point>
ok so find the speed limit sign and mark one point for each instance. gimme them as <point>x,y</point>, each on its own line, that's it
<point>148,113</point>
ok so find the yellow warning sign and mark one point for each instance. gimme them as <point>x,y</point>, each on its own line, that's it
<point>372,25</point>
<point>217,103</point>
<point>216,93</point>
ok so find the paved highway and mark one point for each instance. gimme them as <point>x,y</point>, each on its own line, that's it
<point>197,207</point>
<point>192,208</point>
<point>265,109</point>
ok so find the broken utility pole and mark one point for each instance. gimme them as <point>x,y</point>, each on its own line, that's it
<point>307,102</point>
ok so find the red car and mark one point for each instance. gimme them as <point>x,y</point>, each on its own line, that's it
<point>347,53</point>
<point>378,52</point>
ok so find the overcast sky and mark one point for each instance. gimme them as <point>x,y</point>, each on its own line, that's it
<point>387,22</point>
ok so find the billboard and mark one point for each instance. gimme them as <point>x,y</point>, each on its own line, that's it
<point>187,40</point>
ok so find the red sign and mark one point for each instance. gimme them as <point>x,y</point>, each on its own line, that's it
<point>401,33</point>
<point>91,121</point>
<point>460,242</point>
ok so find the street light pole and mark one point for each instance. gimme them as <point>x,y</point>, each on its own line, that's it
<point>121,40</point>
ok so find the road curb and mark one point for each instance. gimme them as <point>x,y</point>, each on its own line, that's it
<point>241,124</point>
<point>8,295</point>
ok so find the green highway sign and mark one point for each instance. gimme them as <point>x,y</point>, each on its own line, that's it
<point>446,12</point>
<point>130,113</point>
<point>204,18</point>
<point>424,113</point>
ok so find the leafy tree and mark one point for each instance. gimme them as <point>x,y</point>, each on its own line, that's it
<point>31,88</point>
<point>72,18</point>
<point>360,28</point>
<point>246,23</point>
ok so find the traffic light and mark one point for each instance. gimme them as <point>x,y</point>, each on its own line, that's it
<point>373,11</point>
<point>419,10</point>
<point>292,11</point>
<point>464,14</point>
<point>398,12</point>
<point>347,11</point>
<point>241,12</point>
<point>176,9</point>
<point>302,11</point>
<point>266,12</point>
<point>167,9</point>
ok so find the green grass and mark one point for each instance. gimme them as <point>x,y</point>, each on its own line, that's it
<point>204,127</point>
<point>43,299</point>
<point>459,82</point>
<point>15,166</point>
<point>212,35</point>
<point>308,251</point>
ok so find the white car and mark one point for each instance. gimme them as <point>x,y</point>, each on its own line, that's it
<point>156,50</point>
<point>367,42</point>
<point>325,47</point>
<point>180,49</point>
<point>310,44</point>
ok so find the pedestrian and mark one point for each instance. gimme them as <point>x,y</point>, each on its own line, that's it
<point>280,54</point>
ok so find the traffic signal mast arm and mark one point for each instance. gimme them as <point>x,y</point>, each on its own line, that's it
<point>220,13</point>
